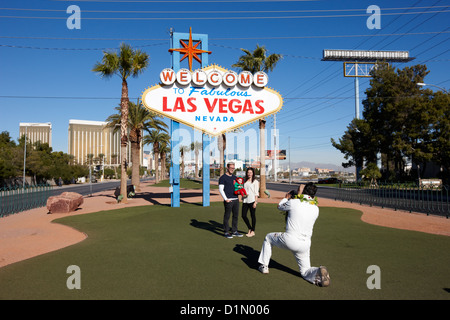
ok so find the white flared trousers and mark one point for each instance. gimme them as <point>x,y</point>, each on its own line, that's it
<point>299,246</point>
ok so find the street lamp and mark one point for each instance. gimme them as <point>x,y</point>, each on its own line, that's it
<point>432,85</point>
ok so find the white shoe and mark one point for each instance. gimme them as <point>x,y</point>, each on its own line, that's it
<point>263,269</point>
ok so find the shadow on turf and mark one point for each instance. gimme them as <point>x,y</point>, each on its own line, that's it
<point>251,260</point>
<point>212,226</point>
<point>250,255</point>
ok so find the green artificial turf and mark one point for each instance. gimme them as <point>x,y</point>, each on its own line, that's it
<point>159,252</point>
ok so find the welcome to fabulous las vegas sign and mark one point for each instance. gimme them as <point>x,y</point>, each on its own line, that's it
<point>213,99</point>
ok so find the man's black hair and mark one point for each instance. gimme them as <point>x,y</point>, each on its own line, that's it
<point>310,189</point>
<point>293,193</point>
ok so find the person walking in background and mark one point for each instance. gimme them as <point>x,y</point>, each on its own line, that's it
<point>251,186</point>
<point>230,202</point>
<point>302,213</point>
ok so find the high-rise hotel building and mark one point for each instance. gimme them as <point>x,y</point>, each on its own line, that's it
<point>36,132</point>
<point>94,137</point>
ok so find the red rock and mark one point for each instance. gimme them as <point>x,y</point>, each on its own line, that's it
<point>65,202</point>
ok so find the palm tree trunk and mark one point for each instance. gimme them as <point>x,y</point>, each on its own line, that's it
<point>222,142</point>
<point>182,162</point>
<point>156,156</point>
<point>262,157</point>
<point>124,140</point>
<point>163,166</point>
<point>135,139</point>
<point>135,151</point>
<point>196,163</point>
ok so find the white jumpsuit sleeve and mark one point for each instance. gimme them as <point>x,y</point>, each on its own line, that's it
<point>284,205</point>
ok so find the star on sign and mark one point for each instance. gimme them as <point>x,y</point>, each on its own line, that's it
<point>190,50</point>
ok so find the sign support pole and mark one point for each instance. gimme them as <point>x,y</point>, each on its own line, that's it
<point>174,178</point>
<point>175,168</point>
<point>206,139</point>
<point>205,172</point>
<point>175,136</point>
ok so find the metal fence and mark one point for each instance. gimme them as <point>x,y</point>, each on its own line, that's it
<point>412,198</point>
<point>17,199</point>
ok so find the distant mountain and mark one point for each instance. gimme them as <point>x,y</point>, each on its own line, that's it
<point>312,165</point>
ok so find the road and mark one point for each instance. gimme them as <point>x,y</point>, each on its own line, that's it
<point>323,192</point>
<point>87,188</point>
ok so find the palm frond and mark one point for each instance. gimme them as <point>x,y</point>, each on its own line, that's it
<point>108,66</point>
<point>257,60</point>
<point>271,61</point>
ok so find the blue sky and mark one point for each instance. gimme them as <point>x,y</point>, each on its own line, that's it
<point>45,68</point>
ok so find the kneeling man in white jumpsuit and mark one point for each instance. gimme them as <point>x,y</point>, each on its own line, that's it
<point>302,212</point>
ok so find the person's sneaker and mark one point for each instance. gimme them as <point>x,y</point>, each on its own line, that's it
<point>228,235</point>
<point>237,234</point>
<point>263,269</point>
<point>322,277</point>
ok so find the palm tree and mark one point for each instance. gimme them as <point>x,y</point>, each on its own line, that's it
<point>156,138</point>
<point>127,63</point>
<point>164,150</point>
<point>196,147</point>
<point>139,118</point>
<point>222,144</point>
<point>101,157</point>
<point>259,61</point>
<point>183,150</point>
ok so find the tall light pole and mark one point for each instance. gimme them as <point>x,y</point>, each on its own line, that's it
<point>432,85</point>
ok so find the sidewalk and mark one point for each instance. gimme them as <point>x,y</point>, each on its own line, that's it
<point>31,233</point>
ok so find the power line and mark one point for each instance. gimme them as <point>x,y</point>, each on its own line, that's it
<point>437,34</point>
<point>215,11</point>
<point>289,117</point>
<point>236,38</point>
<point>184,1</point>
<point>321,123</point>
<point>435,46</point>
<point>164,43</point>
<point>222,18</point>
<point>65,98</point>
<point>133,98</point>
<point>385,26</point>
<point>431,59</point>
<point>74,49</point>
<point>321,83</point>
